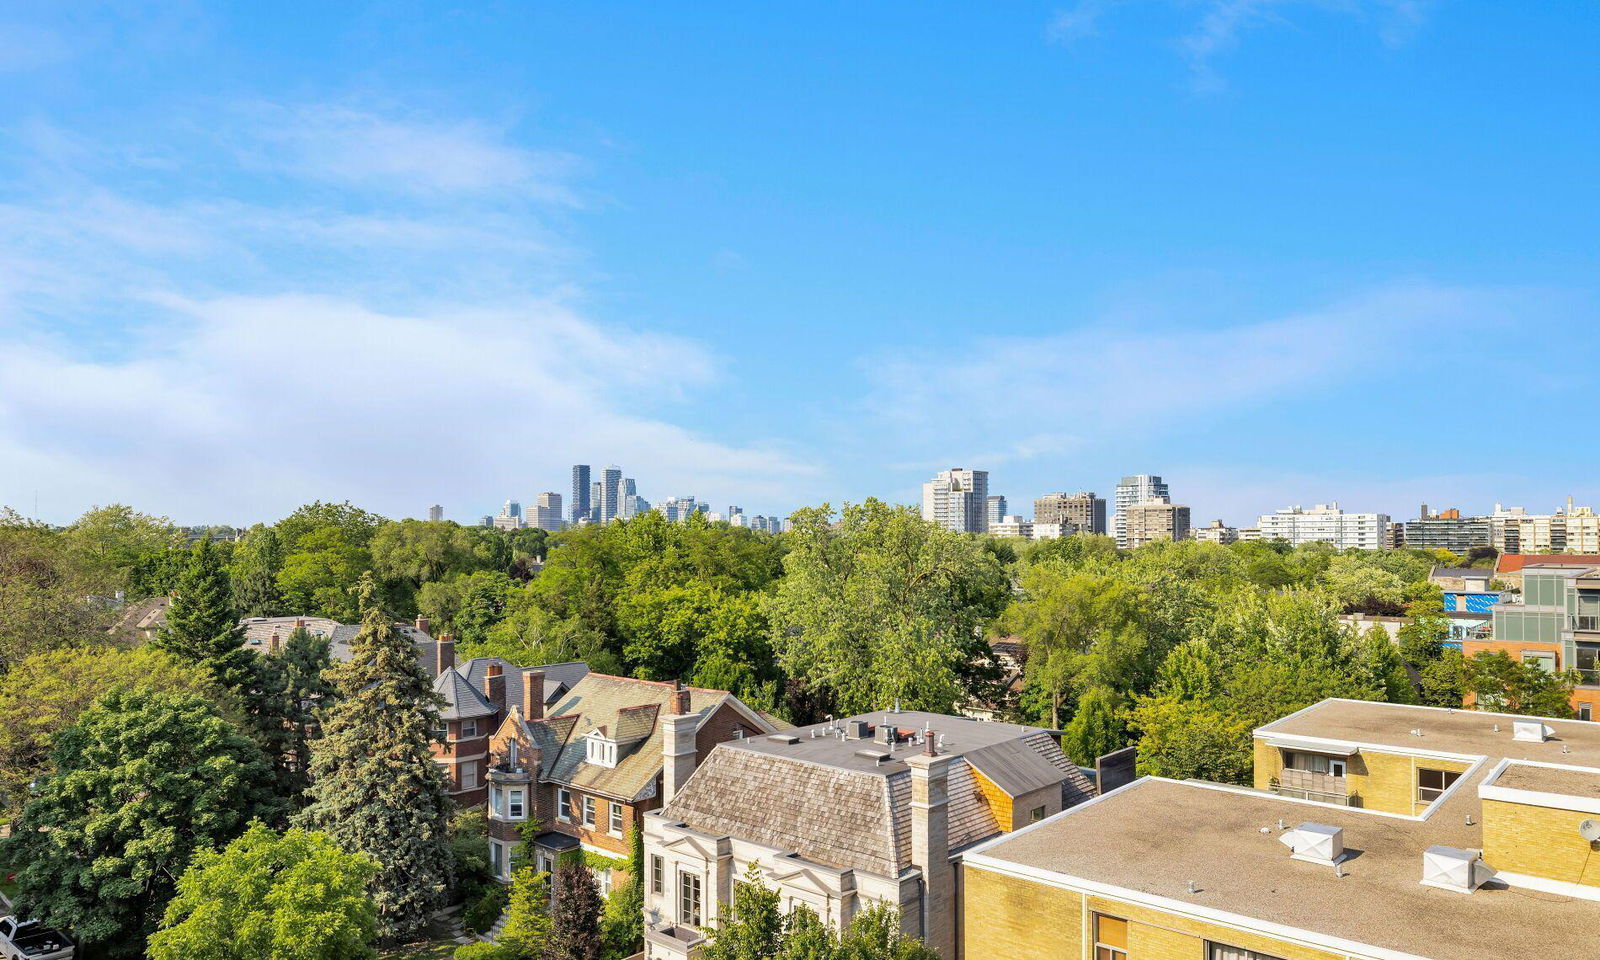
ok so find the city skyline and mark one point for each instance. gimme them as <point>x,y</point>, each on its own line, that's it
<point>404,284</point>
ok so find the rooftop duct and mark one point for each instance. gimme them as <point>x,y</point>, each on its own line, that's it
<point>1315,843</point>
<point>1450,868</point>
<point>1531,731</point>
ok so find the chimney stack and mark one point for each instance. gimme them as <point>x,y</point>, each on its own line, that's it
<point>494,688</point>
<point>677,745</point>
<point>274,645</point>
<point>445,652</point>
<point>423,624</point>
<point>930,845</point>
<point>533,694</point>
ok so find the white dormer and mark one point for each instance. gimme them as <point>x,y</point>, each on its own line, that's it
<point>602,750</point>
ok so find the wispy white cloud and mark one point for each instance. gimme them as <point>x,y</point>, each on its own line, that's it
<point>1082,20</point>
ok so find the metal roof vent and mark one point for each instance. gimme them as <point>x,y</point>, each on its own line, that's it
<point>788,738</point>
<point>1450,868</point>
<point>1531,731</point>
<point>1315,843</point>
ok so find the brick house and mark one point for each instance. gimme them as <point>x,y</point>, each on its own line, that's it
<point>478,696</point>
<point>593,762</point>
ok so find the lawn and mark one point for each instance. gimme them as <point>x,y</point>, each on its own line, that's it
<point>431,950</point>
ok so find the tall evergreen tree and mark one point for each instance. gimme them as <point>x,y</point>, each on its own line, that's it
<point>304,689</point>
<point>375,786</point>
<point>575,914</point>
<point>201,626</point>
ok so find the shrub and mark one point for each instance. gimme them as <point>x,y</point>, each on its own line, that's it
<point>483,951</point>
<point>485,910</point>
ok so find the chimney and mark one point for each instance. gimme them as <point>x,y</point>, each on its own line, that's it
<point>423,624</point>
<point>494,688</point>
<point>677,745</point>
<point>930,845</point>
<point>533,694</point>
<point>444,649</point>
<point>300,624</point>
<point>274,645</point>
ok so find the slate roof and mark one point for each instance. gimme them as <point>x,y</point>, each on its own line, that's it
<point>599,700</point>
<point>822,799</point>
<point>258,633</point>
<point>558,678</point>
<point>462,699</point>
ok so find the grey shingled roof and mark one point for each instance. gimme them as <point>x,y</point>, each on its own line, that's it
<point>558,678</point>
<point>462,700</point>
<point>821,799</point>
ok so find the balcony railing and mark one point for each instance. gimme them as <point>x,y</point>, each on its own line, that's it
<point>1586,622</point>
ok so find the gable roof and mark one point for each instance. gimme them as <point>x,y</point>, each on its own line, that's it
<point>462,699</point>
<point>558,678</point>
<point>625,703</point>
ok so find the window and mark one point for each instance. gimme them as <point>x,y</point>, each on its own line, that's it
<point>1036,814</point>
<point>469,729</point>
<point>564,805</point>
<point>657,875</point>
<point>1431,784</point>
<point>616,819</point>
<point>601,751</point>
<point>1544,661</point>
<point>516,804</point>
<point>1585,711</point>
<point>469,775</point>
<point>1313,763</point>
<point>689,898</point>
<point>588,812</point>
<point>496,859</point>
<point>1110,938</point>
<point>1221,951</point>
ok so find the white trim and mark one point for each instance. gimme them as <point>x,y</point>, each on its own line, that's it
<point>1312,745</point>
<point>1358,745</point>
<point>1295,936</point>
<point>1577,890</point>
<point>1267,727</point>
<point>1538,798</point>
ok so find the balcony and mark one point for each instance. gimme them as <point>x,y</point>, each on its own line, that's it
<point>1321,787</point>
<point>672,940</point>
<point>1586,623</point>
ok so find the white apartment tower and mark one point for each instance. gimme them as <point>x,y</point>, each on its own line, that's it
<point>1138,488</point>
<point>1326,523</point>
<point>958,500</point>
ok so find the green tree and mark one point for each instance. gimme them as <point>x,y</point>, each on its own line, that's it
<point>467,606</point>
<point>375,786</point>
<point>43,586</point>
<point>45,694</point>
<point>201,627</point>
<point>878,605</point>
<point>1096,728</point>
<point>291,686</point>
<point>109,541</point>
<point>1498,682</point>
<point>575,914</point>
<point>142,781</point>
<point>622,926</point>
<point>256,565</point>
<point>754,930</point>
<point>269,895</point>
<point>874,934</point>
<point>806,937</point>
<point>528,924</point>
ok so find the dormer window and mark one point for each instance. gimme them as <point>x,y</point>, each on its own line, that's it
<point>602,751</point>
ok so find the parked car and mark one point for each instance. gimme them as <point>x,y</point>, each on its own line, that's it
<point>28,940</point>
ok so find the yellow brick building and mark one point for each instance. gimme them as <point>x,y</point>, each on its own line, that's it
<point>1419,834</point>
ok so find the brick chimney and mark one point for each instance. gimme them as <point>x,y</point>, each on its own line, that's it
<point>274,645</point>
<point>533,694</point>
<point>677,745</point>
<point>423,624</point>
<point>494,688</point>
<point>444,649</point>
<point>930,845</point>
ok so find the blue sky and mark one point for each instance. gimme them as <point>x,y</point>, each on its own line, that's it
<point>1279,251</point>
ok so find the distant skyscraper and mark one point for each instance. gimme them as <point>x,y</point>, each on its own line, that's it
<point>547,511</point>
<point>510,517</point>
<point>995,511</point>
<point>435,513</point>
<point>1137,488</point>
<point>957,500</point>
<point>512,508</point>
<point>580,492</point>
<point>610,492</point>
<point>628,498</point>
<point>1084,511</point>
<point>595,499</point>
<point>1154,520</point>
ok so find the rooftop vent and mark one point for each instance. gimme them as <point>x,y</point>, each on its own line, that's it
<point>1530,731</point>
<point>876,756</point>
<point>859,730</point>
<point>788,738</point>
<point>886,734</point>
<point>1315,843</point>
<point>1450,868</point>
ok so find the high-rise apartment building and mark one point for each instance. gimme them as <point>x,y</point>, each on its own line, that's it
<point>1137,488</point>
<point>958,500</point>
<point>595,499</point>
<point>510,517</point>
<point>610,492</point>
<point>1083,510</point>
<point>547,511</point>
<point>435,513</point>
<point>1325,523</point>
<point>1154,520</point>
<point>995,511</point>
<point>580,492</point>
<point>678,508</point>
<point>1572,530</point>
<point>1445,530</point>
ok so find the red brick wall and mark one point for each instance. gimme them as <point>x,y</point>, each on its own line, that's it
<point>719,728</point>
